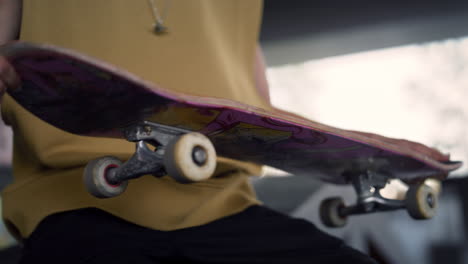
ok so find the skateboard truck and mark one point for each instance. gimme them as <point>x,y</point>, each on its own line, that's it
<point>420,201</point>
<point>184,155</point>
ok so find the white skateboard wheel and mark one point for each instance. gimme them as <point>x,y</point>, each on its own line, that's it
<point>421,201</point>
<point>330,212</point>
<point>95,179</point>
<point>190,158</point>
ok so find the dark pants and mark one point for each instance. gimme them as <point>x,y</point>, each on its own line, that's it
<point>257,235</point>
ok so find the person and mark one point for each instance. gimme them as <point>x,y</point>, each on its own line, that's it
<point>201,47</point>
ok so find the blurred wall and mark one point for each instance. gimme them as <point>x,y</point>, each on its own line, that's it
<point>296,30</point>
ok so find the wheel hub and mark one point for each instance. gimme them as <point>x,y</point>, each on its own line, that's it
<point>199,155</point>
<point>430,200</point>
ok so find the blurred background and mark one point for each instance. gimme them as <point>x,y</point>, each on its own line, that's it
<point>396,68</point>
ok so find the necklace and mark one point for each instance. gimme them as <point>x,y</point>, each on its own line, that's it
<point>158,27</point>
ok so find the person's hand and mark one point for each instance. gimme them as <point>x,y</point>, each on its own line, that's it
<point>9,80</point>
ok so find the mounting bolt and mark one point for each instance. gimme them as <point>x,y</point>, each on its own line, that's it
<point>147,129</point>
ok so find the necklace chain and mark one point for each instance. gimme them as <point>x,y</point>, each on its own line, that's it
<point>159,28</point>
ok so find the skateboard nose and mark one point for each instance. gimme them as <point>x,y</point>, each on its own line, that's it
<point>199,155</point>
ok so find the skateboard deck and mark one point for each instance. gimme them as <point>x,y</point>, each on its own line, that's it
<point>85,96</point>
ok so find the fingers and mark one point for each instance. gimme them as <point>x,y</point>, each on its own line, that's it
<point>8,77</point>
<point>2,88</point>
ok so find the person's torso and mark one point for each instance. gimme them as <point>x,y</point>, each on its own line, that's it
<point>208,51</point>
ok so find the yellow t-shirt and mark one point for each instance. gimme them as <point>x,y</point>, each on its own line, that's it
<point>209,51</point>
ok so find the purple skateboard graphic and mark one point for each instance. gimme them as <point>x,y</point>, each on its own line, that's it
<point>85,96</point>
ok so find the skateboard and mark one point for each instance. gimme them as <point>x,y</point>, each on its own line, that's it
<point>181,135</point>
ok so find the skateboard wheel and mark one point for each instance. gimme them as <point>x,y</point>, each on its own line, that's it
<point>190,158</point>
<point>421,201</point>
<point>330,212</point>
<point>95,178</point>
